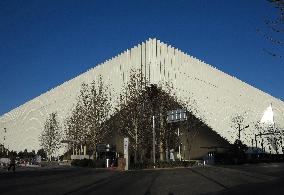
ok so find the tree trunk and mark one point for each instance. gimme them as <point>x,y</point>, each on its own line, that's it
<point>167,150</point>
<point>195,133</point>
<point>136,141</point>
<point>162,152</point>
<point>162,136</point>
<point>187,141</point>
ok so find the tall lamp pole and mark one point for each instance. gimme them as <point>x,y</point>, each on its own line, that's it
<point>4,138</point>
<point>154,149</point>
<point>152,92</point>
<point>241,130</point>
<point>5,131</point>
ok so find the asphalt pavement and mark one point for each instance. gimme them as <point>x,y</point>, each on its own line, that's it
<point>242,179</point>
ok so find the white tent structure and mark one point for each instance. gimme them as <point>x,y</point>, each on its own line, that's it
<point>213,95</point>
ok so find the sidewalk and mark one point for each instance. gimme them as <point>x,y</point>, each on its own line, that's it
<point>32,168</point>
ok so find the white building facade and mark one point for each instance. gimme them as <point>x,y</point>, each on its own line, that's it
<point>215,95</point>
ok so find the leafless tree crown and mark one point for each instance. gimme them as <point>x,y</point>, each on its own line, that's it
<point>50,137</point>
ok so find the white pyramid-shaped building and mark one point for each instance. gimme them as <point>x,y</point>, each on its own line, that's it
<point>216,95</point>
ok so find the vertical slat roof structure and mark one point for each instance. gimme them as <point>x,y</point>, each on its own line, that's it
<point>211,94</point>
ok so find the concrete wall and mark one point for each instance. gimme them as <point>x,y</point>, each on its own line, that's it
<point>216,95</point>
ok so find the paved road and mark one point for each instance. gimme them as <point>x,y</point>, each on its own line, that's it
<point>246,179</point>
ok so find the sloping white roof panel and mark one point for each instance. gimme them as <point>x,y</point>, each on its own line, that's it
<point>215,95</point>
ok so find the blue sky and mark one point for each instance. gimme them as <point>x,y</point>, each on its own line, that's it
<point>45,43</point>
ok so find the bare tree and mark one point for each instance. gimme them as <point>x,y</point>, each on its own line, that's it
<point>134,108</point>
<point>275,139</point>
<point>51,136</point>
<point>139,102</point>
<point>274,31</point>
<point>238,123</point>
<point>273,133</point>
<point>87,124</point>
<point>193,125</point>
<point>164,101</point>
<point>195,121</point>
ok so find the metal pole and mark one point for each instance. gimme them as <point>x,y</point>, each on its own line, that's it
<point>255,142</point>
<point>5,130</point>
<point>239,132</point>
<point>136,140</point>
<point>167,144</point>
<point>154,159</point>
<point>188,146</point>
<point>73,149</point>
<point>4,138</point>
<point>179,146</point>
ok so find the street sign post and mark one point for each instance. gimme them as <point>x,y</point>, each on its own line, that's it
<point>125,149</point>
<point>177,116</point>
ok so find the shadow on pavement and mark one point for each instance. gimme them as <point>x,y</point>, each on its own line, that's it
<point>274,186</point>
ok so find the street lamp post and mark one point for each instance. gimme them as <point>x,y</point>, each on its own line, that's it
<point>241,130</point>
<point>179,154</point>
<point>5,130</point>
<point>152,93</point>
<point>4,138</point>
<point>154,148</point>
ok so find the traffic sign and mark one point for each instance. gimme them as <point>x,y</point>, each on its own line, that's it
<point>176,115</point>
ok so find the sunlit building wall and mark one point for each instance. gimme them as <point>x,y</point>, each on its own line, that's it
<point>211,94</point>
